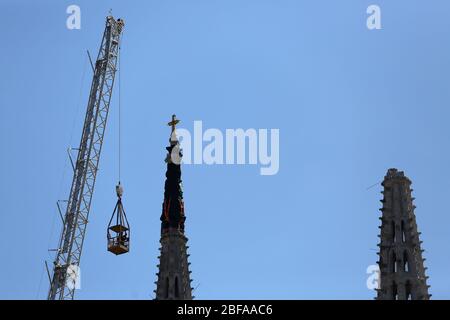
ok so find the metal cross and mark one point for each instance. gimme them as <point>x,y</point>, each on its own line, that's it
<point>173,123</point>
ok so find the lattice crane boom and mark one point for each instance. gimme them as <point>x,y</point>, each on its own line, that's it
<point>67,261</point>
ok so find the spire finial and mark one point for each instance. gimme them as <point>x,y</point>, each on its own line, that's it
<point>173,123</point>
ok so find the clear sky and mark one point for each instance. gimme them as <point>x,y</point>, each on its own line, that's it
<point>349,102</point>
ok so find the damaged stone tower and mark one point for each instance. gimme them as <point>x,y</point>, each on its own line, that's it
<point>174,281</point>
<point>402,271</point>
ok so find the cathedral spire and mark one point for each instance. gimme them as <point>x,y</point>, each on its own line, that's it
<point>174,281</point>
<point>402,271</point>
<point>172,216</point>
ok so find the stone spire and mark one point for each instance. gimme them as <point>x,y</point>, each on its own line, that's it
<point>174,281</point>
<point>402,271</point>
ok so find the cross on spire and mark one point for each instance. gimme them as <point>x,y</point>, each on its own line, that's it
<point>173,123</point>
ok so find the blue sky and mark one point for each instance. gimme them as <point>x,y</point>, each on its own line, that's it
<point>350,103</point>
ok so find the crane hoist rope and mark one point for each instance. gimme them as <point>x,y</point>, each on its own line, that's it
<point>120,108</point>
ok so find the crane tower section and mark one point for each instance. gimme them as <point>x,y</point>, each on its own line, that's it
<point>67,261</point>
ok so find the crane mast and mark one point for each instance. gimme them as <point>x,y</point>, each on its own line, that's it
<point>67,261</point>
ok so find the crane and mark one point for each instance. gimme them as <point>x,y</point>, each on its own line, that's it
<point>75,220</point>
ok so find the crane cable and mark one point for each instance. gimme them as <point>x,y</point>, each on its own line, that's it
<point>120,111</point>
